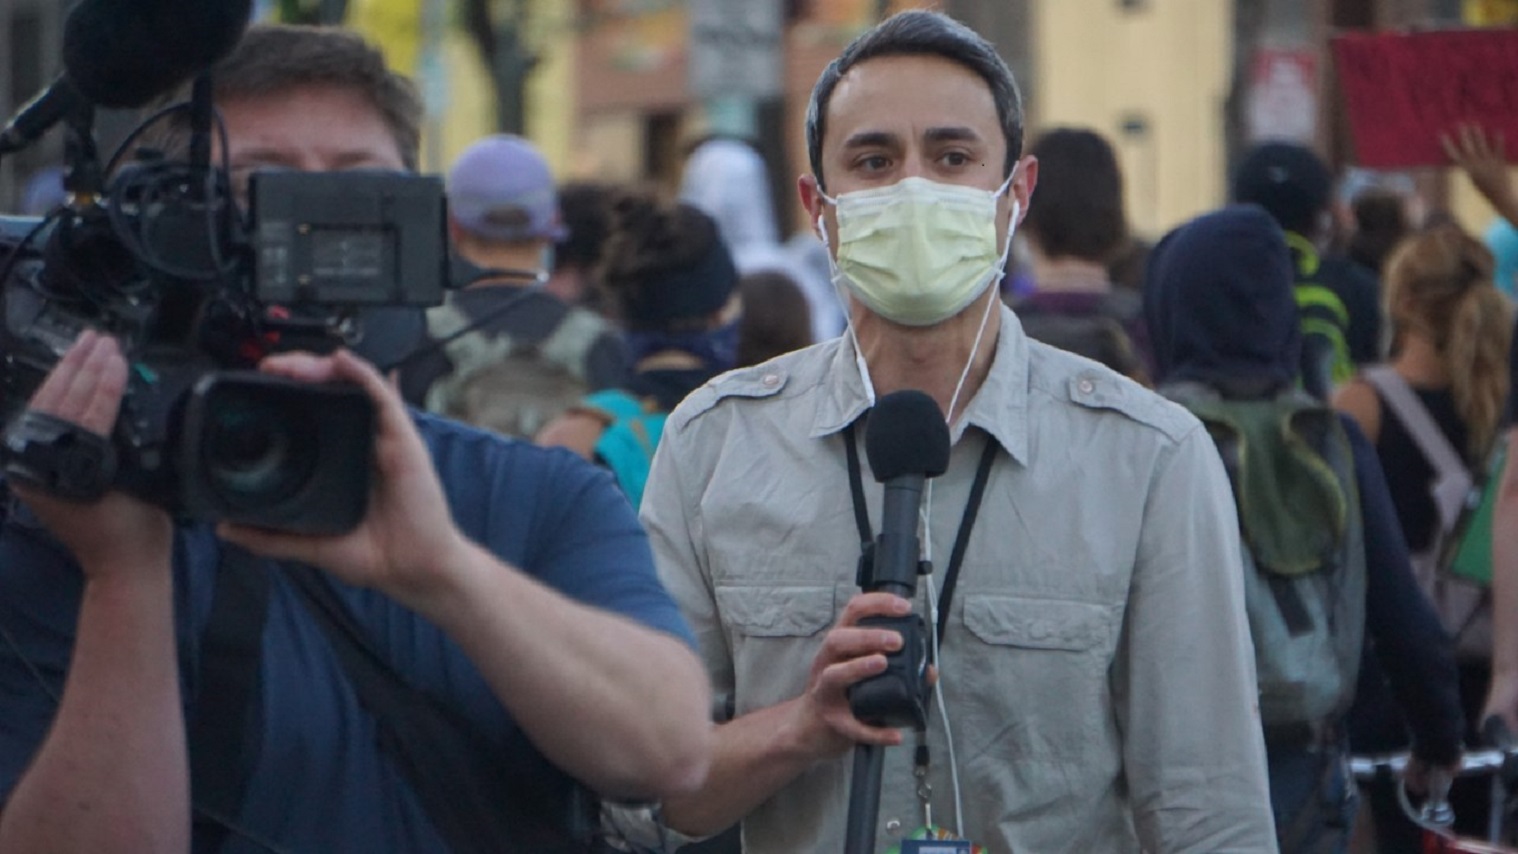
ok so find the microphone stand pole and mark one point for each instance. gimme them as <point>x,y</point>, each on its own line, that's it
<point>864,799</point>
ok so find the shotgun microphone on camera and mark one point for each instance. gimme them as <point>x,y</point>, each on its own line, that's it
<point>124,53</point>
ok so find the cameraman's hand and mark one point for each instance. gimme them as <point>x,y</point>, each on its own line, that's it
<point>407,542</point>
<point>118,533</point>
<point>823,724</point>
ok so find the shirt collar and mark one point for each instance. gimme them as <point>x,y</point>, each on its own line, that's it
<point>1000,407</point>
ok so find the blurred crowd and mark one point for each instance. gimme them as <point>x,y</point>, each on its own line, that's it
<point>603,317</point>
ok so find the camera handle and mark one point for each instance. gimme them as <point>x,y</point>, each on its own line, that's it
<point>59,457</point>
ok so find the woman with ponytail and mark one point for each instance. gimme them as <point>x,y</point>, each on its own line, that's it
<point>1445,387</point>
<point>1451,330</point>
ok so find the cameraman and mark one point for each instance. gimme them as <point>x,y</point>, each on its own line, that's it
<point>510,583</point>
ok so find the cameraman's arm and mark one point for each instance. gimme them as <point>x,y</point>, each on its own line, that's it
<point>621,706</point>
<point>112,773</point>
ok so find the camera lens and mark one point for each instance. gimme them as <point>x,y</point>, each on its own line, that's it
<point>257,453</point>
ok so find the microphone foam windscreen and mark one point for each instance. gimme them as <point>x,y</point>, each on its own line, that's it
<point>906,434</point>
<point>125,53</point>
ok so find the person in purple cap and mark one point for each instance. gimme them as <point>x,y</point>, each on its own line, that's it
<point>506,354</point>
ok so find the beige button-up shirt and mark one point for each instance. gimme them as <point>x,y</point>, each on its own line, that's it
<point>1097,671</point>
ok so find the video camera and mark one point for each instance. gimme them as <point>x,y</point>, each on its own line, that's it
<point>198,291</point>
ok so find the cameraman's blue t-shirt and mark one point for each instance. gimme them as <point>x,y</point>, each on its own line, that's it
<point>320,782</point>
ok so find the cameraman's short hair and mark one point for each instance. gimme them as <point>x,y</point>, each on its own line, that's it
<point>272,59</point>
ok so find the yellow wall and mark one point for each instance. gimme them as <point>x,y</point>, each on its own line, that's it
<point>1168,64</point>
<point>470,114</point>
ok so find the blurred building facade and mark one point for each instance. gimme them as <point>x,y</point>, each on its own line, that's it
<point>1178,85</point>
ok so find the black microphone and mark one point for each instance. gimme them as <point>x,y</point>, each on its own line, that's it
<point>38,115</point>
<point>124,53</point>
<point>906,441</point>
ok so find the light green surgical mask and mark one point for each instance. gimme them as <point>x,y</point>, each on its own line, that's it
<point>917,252</point>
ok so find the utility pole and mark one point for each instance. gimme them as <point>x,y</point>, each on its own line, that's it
<point>501,41</point>
<point>1248,34</point>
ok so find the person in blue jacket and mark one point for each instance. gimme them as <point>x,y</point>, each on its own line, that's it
<point>511,584</point>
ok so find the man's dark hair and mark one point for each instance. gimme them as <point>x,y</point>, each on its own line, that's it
<point>1078,210</point>
<point>921,33</point>
<point>272,59</point>
<point>1288,180</point>
<point>776,317</point>
<point>584,206</point>
<point>663,266</point>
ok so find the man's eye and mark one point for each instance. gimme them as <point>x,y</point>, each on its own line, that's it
<point>874,163</point>
<point>956,158</point>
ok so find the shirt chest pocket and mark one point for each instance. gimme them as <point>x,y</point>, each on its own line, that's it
<point>1040,674</point>
<point>1037,648</point>
<point>1040,624</point>
<point>774,632</point>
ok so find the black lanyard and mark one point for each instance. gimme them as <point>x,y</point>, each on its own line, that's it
<point>966,523</point>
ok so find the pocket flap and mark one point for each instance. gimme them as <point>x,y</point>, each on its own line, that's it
<point>773,612</point>
<point>1039,623</point>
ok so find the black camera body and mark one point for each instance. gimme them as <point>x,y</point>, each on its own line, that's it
<point>197,292</point>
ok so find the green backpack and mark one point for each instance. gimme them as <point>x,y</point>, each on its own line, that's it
<point>1292,470</point>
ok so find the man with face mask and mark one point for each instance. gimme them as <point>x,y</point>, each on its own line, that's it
<point>1095,675</point>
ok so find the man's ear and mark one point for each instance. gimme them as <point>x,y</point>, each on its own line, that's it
<point>1023,184</point>
<point>811,198</point>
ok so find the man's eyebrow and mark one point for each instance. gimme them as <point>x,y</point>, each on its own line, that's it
<point>869,138</point>
<point>951,134</point>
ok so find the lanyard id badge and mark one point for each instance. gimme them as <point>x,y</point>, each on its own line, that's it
<point>936,840</point>
<point>930,838</point>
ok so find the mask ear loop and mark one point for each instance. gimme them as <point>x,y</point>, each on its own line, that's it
<point>994,284</point>
<point>835,276</point>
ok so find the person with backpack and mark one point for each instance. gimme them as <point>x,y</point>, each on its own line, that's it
<point>1433,413</point>
<point>1481,154</point>
<point>504,353</point>
<point>671,283</point>
<point>1327,579</point>
<point>1337,299</point>
<point>1074,228</point>
<point>1435,410</point>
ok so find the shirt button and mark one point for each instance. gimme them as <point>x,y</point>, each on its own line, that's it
<point>770,380</point>
<point>1086,386</point>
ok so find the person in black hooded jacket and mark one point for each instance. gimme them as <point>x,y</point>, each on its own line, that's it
<point>1221,313</point>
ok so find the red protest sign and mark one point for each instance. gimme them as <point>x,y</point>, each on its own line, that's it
<point>1401,90</point>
